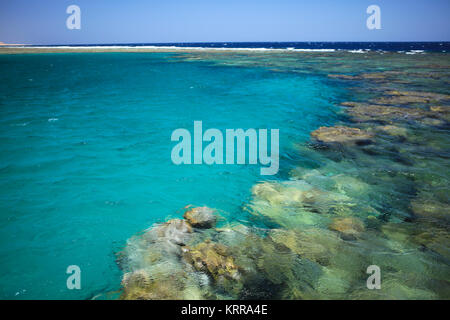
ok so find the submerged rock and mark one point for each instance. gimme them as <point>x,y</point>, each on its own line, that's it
<point>401,106</point>
<point>286,194</point>
<point>296,204</point>
<point>374,76</point>
<point>393,130</point>
<point>422,235</point>
<point>201,217</point>
<point>177,231</point>
<point>377,77</point>
<point>352,104</point>
<point>394,289</point>
<point>432,122</point>
<point>272,271</point>
<point>440,109</point>
<point>344,77</point>
<point>349,227</point>
<point>342,135</point>
<point>154,266</point>
<point>213,258</point>
<point>333,284</point>
<point>379,113</point>
<point>431,209</point>
<point>315,244</point>
<point>350,186</point>
<point>407,97</point>
<point>139,285</point>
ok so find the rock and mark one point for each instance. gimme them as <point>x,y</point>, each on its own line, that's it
<point>432,122</point>
<point>435,239</point>
<point>441,112</point>
<point>201,217</point>
<point>212,258</point>
<point>395,97</point>
<point>394,289</point>
<point>428,96</point>
<point>350,104</point>
<point>315,244</point>
<point>344,77</point>
<point>373,76</point>
<point>393,130</point>
<point>379,113</point>
<point>272,271</point>
<point>348,227</point>
<point>177,231</point>
<point>398,233</point>
<point>138,285</point>
<point>286,194</point>
<point>295,204</point>
<point>431,209</point>
<point>421,235</point>
<point>382,109</point>
<point>155,266</point>
<point>343,135</point>
<point>158,249</point>
<point>297,193</point>
<point>350,186</point>
<point>440,109</point>
<point>333,284</point>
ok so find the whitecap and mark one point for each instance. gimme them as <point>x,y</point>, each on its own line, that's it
<point>358,51</point>
<point>415,51</point>
<point>176,48</point>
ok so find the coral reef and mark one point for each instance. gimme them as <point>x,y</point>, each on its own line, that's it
<point>373,191</point>
<point>348,227</point>
<point>343,135</point>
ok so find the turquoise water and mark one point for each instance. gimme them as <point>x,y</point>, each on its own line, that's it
<point>85,154</point>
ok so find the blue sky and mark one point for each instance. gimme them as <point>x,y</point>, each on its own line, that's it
<point>131,21</point>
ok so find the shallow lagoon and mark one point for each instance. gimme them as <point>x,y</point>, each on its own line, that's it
<point>86,164</point>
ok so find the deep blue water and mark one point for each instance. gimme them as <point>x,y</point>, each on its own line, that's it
<point>384,46</point>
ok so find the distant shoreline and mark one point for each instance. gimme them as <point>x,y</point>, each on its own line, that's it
<point>11,44</point>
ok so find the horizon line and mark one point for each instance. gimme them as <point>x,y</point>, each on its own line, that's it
<point>221,42</point>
